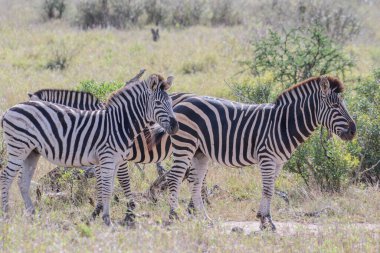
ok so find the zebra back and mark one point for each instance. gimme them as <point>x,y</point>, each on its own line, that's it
<point>76,99</point>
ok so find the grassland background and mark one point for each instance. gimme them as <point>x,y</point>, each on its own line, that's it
<point>27,44</point>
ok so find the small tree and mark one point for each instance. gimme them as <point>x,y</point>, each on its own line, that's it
<point>297,55</point>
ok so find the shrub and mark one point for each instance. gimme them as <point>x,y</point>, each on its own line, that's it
<point>297,55</point>
<point>326,165</point>
<point>223,12</point>
<point>339,22</point>
<point>366,106</point>
<point>53,9</point>
<point>186,13</point>
<point>100,89</point>
<point>104,13</point>
<point>252,91</point>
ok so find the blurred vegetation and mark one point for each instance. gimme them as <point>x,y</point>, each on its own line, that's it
<point>121,14</point>
<point>53,9</point>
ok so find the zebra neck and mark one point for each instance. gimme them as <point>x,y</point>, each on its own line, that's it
<point>127,119</point>
<point>297,117</point>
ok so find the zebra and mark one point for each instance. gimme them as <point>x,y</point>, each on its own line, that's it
<point>70,137</point>
<point>139,153</point>
<point>236,135</point>
<point>77,99</point>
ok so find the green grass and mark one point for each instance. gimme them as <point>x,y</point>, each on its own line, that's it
<point>202,60</point>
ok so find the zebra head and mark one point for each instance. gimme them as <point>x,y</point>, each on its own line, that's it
<point>334,114</point>
<point>160,108</point>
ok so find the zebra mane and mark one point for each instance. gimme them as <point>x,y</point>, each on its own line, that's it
<point>123,90</point>
<point>130,85</point>
<point>335,85</point>
<point>42,91</point>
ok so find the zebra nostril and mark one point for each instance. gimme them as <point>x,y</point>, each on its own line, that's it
<point>173,124</point>
<point>352,128</point>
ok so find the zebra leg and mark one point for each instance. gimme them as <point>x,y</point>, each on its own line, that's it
<point>107,178</point>
<point>25,178</point>
<point>99,204</point>
<point>6,179</point>
<point>268,174</point>
<point>160,169</point>
<point>174,178</point>
<point>205,191</point>
<point>124,180</point>
<point>199,166</point>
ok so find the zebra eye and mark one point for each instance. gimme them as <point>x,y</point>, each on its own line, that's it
<point>335,105</point>
<point>158,102</point>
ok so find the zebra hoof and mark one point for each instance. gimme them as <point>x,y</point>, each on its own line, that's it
<point>107,220</point>
<point>129,220</point>
<point>97,211</point>
<point>267,224</point>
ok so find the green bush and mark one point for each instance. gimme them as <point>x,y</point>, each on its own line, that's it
<point>297,55</point>
<point>101,90</point>
<point>253,91</point>
<point>366,106</point>
<point>326,165</point>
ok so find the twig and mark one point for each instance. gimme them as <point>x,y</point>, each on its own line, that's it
<point>136,77</point>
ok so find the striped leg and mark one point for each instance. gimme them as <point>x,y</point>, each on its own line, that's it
<point>99,202</point>
<point>175,176</point>
<point>25,178</point>
<point>107,177</point>
<point>6,179</point>
<point>204,193</point>
<point>124,180</point>
<point>268,174</point>
<point>199,163</point>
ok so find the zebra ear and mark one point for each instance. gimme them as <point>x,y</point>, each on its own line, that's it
<point>325,85</point>
<point>153,82</point>
<point>168,83</point>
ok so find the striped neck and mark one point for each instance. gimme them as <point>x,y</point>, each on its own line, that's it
<point>297,115</point>
<point>127,113</point>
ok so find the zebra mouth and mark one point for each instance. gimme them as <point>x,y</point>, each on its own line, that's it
<point>171,127</point>
<point>349,133</point>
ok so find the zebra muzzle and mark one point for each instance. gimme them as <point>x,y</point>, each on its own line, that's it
<point>173,126</point>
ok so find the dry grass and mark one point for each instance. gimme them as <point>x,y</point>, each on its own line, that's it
<point>27,46</point>
<point>61,226</point>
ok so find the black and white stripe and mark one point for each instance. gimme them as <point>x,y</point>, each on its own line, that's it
<point>70,137</point>
<point>236,135</point>
<point>76,99</point>
<point>140,152</point>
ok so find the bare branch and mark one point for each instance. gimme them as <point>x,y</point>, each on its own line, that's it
<point>136,77</point>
